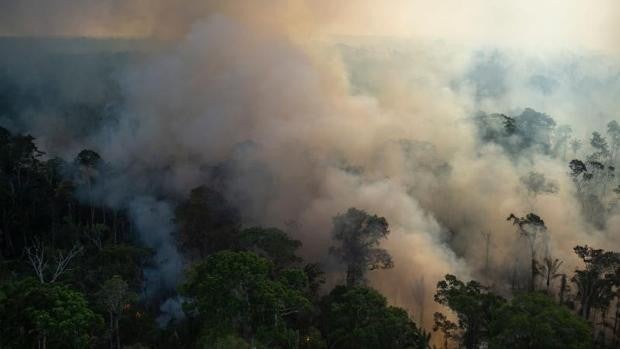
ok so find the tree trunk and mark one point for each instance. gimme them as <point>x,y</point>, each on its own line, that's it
<point>616,323</point>
<point>533,276</point>
<point>117,333</point>
<point>562,288</point>
<point>353,275</point>
<point>585,308</point>
<point>111,326</point>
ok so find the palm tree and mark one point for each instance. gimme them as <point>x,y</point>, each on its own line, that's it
<point>549,270</point>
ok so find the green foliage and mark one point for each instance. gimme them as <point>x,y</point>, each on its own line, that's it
<point>473,305</point>
<point>359,318</point>
<point>207,223</point>
<point>249,288</point>
<point>535,321</point>
<point>32,313</point>
<point>233,292</point>
<point>124,260</point>
<point>271,243</point>
<point>596,282</point>
<point>228,342</point>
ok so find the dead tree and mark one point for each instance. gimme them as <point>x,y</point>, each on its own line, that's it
<point>487,243</point>
<point>39,261</point>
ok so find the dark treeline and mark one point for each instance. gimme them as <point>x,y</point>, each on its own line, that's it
<point>72,270</point>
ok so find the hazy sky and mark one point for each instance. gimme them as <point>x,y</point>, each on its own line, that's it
<point>590,24</point>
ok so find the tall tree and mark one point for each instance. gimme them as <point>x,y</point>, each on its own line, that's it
<point>88,162</point>
<point>596,281</point>
<point>613,132</point>
<point>33,314</point>
<point>473,304</point>
<point>531,227</point>
<point>207,222</point>
<point>537,184</point>
<point>115,296</point>
<point>271,243</point>
<point>358,234</point>
<point>549,269</point>
<point>360,318</point>
<point>535,321</point>
<point>600,147</point>
<point>234,293</point>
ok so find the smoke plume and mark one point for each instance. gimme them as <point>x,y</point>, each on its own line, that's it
<point>315,107</point>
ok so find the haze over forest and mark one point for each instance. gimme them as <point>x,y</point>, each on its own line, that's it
<point>257,174</point>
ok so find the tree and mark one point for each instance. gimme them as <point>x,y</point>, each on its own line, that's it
<point>596,281</point>
<point>358,235</point>
<point>535,129</point>
<point>473,305</point>
<point>115,296</point>
<point>233,293</point>
<point>88,162</point>
<point>613,131</point>
<point>40,262</point>
<point>449,330</point>
<point>271,243</point>
<point>207,222</point>
<point>526,131</point>
<point>537,184</point>
<point>359,318</point>
<point>25,189</point>
<point>549,270</point>
<point>534,321</point>
<point>316,279</point>
<point>531,227</point>
<point>591,180</point>
<point>45,315</point>
<point>579,173</point>
<point>601,148</point>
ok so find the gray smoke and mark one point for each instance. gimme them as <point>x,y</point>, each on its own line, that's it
<point>308,124</point>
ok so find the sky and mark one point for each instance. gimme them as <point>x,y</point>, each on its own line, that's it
<point>548,24</point>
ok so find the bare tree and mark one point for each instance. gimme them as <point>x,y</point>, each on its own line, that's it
<point>487,250</point>
<point>39,261</point>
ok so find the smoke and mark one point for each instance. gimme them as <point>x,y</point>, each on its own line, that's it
<point>309,124</point>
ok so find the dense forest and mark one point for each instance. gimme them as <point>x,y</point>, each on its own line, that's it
<point>73,271</point>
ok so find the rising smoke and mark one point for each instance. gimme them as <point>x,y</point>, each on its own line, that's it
<point>309,123</point>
